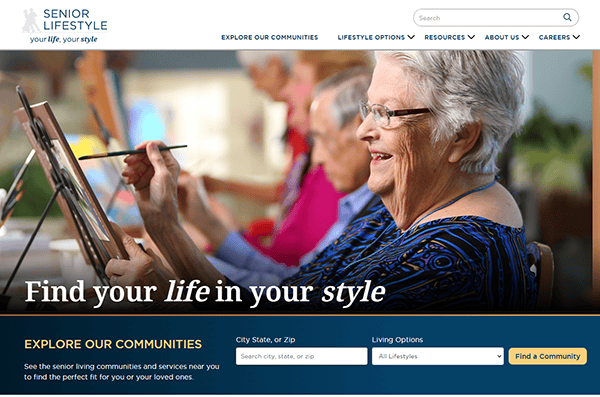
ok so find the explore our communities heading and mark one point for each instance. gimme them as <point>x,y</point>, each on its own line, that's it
<point>266,37</point>
<point>100,344</point>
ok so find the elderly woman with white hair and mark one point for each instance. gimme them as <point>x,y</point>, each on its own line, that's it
<point>435,123</point>
<point>448,236</point>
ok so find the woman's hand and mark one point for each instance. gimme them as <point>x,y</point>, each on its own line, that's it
<point>197,210</point>
<point>142,269</point>
<point>154,177</point>
<point>192,205</point>
<point>147,269</point>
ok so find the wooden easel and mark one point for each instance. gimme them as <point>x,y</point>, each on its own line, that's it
<point>78,203</point>
<point>99,92</point>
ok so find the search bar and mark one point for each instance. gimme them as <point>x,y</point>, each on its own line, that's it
<point>301,356</point>
<point>485,17</point>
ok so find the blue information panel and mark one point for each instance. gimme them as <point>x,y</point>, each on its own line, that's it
<point>301,354</point>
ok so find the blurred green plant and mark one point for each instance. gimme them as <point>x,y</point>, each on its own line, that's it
<point>37,190</point>
<point>585,71</point>
<point>556,155</point>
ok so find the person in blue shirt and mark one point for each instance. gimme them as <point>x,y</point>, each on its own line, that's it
<point>334,119</point>
<point>448,237</point>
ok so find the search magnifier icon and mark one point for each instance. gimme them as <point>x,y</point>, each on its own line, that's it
<point>567,17</point>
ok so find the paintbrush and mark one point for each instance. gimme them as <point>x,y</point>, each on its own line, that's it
<point>8,209</point>
<point>126,152</point>
<point>15,193</point>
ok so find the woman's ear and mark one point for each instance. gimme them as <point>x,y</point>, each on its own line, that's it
<point>464,141</point>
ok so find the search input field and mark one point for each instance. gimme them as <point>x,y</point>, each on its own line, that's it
<point>301,356</point>
<point>480,17</point>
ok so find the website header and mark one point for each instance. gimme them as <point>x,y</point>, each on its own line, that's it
<point>41,25</point>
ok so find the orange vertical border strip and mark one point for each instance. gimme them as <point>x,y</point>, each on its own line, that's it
<point>596,177</point>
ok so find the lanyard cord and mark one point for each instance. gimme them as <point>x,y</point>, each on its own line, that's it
<point>453,201</point>
<point>359,259</point>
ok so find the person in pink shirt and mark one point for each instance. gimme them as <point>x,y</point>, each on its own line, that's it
<point>308,201</point>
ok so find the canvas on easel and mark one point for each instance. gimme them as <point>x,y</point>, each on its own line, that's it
<point>86,218</point>
<point>100,89</point>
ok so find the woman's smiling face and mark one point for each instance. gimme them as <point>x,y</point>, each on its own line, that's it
<point>405,166</point>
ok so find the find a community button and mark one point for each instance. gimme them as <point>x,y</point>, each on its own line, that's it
<point>547,356</point>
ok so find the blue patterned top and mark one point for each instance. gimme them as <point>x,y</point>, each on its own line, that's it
<point>465,263</point>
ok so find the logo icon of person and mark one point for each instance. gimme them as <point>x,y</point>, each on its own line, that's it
<point>30,22</point>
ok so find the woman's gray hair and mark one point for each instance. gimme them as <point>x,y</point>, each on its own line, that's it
<point>261,58</point>
<point>352,85</point>
<point>464,87</point>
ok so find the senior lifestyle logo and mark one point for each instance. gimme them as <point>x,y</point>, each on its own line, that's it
<point>65,25</point>
<point>30,25</point>
<point>59,20</point>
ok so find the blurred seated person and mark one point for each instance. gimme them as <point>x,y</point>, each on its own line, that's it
<point>269,71</point>
<point>308,201</point>
<point>334,119</point>
<point>447,237</point>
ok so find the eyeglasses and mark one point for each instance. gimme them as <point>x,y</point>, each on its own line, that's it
<point>382,114</point>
